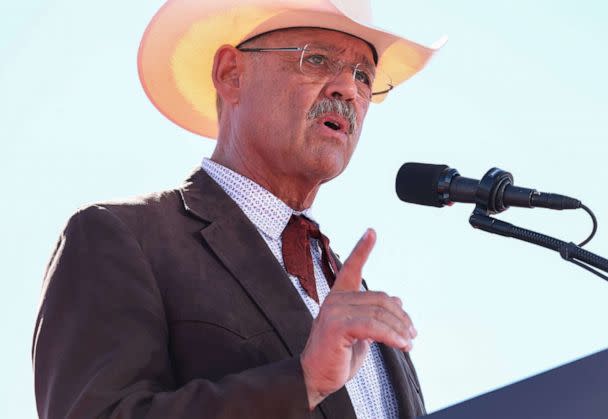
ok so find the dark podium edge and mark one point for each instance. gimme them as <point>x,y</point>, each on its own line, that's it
<point>577,389</point>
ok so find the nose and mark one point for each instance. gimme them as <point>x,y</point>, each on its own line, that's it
<point>342,86</point>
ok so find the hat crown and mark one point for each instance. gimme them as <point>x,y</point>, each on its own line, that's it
<point>358,10</point>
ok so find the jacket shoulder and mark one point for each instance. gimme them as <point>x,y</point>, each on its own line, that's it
<point>134,212</point>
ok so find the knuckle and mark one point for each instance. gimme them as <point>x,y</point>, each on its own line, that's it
<point>378,312</point>
<point>381,295</point>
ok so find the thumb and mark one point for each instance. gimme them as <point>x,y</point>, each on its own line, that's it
<point>349,277</point>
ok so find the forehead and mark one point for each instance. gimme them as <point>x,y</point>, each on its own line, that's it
<point>339,42</point>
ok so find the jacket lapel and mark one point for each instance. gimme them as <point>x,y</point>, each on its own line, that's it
<point>239,246</point>
<point>406,389</point>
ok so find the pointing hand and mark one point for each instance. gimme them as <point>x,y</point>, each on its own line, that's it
<point>348,321</point>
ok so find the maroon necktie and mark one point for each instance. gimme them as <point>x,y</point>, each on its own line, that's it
<point>297,257</point>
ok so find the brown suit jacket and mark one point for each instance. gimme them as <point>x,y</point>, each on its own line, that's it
<point>172,306</point>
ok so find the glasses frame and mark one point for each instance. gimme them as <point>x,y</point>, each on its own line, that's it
<point>302,49</point>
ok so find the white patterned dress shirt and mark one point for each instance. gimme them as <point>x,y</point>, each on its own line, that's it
<point>370,389</point>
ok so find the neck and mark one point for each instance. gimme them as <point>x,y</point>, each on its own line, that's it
<point>298,193</point>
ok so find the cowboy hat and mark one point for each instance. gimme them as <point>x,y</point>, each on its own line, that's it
<point>176,53</point>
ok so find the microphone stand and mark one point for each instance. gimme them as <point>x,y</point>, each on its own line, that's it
<point>569,251</point>
<point>486,199</point>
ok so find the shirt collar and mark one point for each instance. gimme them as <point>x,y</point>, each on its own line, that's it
<point>268,213</point>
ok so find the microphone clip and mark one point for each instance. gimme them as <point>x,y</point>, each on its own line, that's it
<point>491,190</point>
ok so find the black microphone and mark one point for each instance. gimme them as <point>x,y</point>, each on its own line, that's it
<point>438,185</point>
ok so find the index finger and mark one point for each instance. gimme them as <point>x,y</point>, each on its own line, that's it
<point>349,277</point>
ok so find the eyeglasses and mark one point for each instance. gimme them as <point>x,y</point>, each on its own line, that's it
<point>319,64</point>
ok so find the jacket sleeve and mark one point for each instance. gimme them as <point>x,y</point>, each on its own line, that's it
<point>101,341</point>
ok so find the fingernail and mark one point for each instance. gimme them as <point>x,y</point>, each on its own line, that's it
<point>405,344</point>
<point>369,232</point>
<point>413,331</point>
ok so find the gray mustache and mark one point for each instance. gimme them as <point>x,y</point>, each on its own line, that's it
<point>345,109</point>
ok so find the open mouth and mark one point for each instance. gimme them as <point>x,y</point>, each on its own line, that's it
<point>333,125</point>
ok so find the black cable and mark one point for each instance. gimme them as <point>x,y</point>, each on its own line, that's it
<point>589,268</point>
<point>588,239</point>
<point>568,251</point>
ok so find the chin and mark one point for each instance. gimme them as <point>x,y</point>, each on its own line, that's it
<point>325,168</point>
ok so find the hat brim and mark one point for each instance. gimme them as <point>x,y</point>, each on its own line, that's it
<point>175,57</point>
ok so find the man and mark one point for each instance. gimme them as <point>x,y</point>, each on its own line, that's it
<point>199,302</point>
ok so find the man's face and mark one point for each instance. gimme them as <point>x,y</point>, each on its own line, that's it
<point>274,122</point>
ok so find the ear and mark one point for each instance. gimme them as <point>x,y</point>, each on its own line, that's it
<point>226,74</point>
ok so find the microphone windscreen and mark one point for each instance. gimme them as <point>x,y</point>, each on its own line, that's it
<point>418,183</point>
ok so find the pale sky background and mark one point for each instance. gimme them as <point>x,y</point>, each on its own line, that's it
<point>520,85</point>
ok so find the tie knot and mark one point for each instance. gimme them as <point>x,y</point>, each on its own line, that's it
<point>304,226</point>
<point>297,253</point>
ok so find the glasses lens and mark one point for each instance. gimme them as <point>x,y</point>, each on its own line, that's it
<point>370,85</point>
<point>382,85</point>
<point>316,63</point>
<point>319,64</point>
<point>364,78</point>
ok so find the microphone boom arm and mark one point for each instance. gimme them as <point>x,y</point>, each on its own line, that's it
<point>568,251</point>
